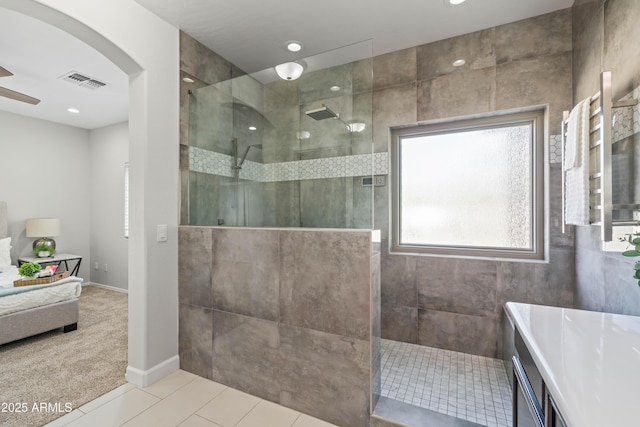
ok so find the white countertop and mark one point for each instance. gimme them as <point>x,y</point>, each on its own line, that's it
<point>590,362</point>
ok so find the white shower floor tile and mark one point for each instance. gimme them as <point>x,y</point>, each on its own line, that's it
<point>473,388</point>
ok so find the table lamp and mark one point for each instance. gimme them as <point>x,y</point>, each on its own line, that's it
<point>44,229</point>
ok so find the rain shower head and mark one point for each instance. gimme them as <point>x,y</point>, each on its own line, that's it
<point>321,113</point>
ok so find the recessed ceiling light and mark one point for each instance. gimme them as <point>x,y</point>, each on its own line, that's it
<point>334,88</point>
<point>456,2</point>
<point>294,46</point>
<point>73,110</point>
<point>459,62</point>
<point>252,128</point>
<point>188,80</point>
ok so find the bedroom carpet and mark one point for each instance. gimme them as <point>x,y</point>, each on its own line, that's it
<point>55,368</point>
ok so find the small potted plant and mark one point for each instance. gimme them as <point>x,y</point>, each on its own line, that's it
<point>42,250</point>
<point>29,269</point>
<point>633,240</point>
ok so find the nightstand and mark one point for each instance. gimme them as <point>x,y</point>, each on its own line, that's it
<point>57,259</point>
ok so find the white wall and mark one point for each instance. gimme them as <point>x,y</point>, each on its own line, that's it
<point>109,150</point>
<point>44,173</point>
<point>147,49</point>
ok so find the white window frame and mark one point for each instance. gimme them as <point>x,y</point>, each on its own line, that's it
<point>498,119</point>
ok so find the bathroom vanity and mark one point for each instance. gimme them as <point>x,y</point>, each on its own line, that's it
<point>574,368</point>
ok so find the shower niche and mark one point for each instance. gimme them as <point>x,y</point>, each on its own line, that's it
<point>267,152</point>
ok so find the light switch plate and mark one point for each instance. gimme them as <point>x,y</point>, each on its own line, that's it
<point>161,233</point>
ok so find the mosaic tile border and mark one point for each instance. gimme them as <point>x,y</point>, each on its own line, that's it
<point>627,119</point>
<point>205,161</point>
<point>555,148</point>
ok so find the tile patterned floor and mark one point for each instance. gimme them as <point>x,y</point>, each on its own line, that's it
<point>473,388</point>
<point>185,400</point>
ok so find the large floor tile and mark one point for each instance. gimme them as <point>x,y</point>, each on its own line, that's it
<point>196,421</point>
<point>267,414</point>
<point>90,406</point>
<point>229,407</point>
<point>65,420</point>
<point>180,405</point>
<point>307,421</point>
<point>117,411</point>
<point>170,383</point>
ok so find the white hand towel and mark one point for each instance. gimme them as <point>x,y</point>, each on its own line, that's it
<point>577,177</point>
<point>578,119</point>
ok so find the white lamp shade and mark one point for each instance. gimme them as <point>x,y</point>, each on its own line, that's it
<point>289,70</point>
<point>43,227</point>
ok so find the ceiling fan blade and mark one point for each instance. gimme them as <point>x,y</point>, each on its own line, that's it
<point>5,73</point>
<point>8,93</point>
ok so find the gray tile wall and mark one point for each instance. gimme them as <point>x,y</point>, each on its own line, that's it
<point>456,303</point>
<point>283,314</point>
<point>605,37</point>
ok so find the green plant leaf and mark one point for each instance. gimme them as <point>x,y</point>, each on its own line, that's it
<point>637,265</point>
<point>631,252</point>
<point>636,241</point>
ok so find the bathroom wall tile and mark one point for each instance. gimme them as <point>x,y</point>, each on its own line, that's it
<point>458,332</point>
<point>535,81</point>
<point>590,279</point>
<point>400,324</point>
<point>455,285</point>
<point>376,308</point>
<point>541,35</point>
<point>381,210</point>
<point>392,107</point>
<point>398,280</point>
<point>381,422</point>
<point>395,68</point>
<point>587,50</point>
<point>583,12</point>
<point>516,281</point>
<point>362,75</point>
<point>477,49</point>
<point>201,62</point>
<point>194,266</point>
<point>324,202</point>
<point>457,94</point>
<point>555,280</point>
<point>557,237</point>
<point>246,354</point>
<point>212,118</point>
<point>316,85</point>
<point>621,290</point>
<point>362,142</point>
<point>326,290</point>
<point>246,272</point>
<point>309,356</point>
<point>620,45</point>
<point>247,91</point>
<point>195,339</point>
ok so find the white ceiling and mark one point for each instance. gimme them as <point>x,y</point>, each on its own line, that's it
<point>249,33</point>
<point>38,54</point>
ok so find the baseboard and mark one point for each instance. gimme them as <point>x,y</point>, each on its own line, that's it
<point>146,378</point>
<point>111,288</point>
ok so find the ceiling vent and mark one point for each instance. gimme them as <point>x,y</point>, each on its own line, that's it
<point>82,80</point>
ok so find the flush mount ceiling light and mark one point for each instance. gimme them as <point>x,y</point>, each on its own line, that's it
<point>459,62</point>
<point>294,46</point>
<point>356,127</point>
<point>455,2</point>
<point>252,128</point>
<point>73,110</point>
<point>289,70</point>
<point>334,88</point>
<point>303,134</point>
<point>188,80</point>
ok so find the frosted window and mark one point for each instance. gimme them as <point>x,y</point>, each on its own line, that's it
<point>471,188</point>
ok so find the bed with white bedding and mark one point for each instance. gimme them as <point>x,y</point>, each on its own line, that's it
<point>31,310</point>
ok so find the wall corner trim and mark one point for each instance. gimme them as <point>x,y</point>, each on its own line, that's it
<point>146,378</point>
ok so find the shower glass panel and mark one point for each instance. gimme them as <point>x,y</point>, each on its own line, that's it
<point>267,152</point>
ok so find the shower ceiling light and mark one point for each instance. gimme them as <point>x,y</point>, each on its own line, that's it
<point>252,128</point>
<point>294,46</point>
<point>289,70</point>
<point>303,134</point>
<point>334,88</point>
<point>459,62</point>
<point>188,80</point>
<point>73,110</point>
<point>456,2</point>
<point>356,127</point>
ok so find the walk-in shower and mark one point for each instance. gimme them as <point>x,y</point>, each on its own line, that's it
<point>262,154</point>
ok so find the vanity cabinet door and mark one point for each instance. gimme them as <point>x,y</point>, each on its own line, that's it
<point>552,415</point>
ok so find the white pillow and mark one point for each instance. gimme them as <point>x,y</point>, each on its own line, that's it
<point>5,253</point>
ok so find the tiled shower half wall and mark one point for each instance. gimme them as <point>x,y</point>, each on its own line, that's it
<point>256,158</point>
